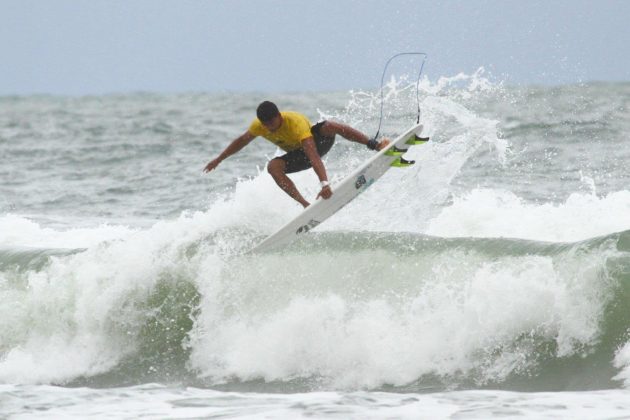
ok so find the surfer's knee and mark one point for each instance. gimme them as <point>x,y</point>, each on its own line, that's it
<point>276,167</point>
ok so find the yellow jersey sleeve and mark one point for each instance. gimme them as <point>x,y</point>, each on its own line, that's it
<point>294,130</point>
<point>301,127</point>
<point>256,128</point>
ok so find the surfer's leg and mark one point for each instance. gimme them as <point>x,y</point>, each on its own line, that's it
<point>277,168</point>
<point>331,128</point>
<point>323,142</point>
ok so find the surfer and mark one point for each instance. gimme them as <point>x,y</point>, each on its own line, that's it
<point>304,144</point>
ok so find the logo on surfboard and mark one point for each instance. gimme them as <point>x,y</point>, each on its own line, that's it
<point>363,182</point>
<point>360,182</point>
<point>305,228</point>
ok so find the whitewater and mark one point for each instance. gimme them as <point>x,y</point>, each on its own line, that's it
<point>492,278</point>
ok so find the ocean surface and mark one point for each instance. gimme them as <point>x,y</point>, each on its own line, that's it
<point>492,278</point>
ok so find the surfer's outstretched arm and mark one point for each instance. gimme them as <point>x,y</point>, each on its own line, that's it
<point>236,145</point>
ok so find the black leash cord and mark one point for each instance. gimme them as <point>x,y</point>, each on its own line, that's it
<point>424,58</point>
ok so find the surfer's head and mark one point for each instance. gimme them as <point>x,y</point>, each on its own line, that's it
<point>268,114</point>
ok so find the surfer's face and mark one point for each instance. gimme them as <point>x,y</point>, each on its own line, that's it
<point>273,124</point>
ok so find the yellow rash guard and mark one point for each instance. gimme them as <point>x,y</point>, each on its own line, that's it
<point>295,128</point>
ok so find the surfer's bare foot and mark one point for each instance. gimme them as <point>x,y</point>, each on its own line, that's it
<point>383,144</point>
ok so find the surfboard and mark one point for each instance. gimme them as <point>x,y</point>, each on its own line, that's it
<point>346,190</point>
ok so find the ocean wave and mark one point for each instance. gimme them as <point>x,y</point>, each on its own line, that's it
<point>441,285</point>
<point>334,310</point>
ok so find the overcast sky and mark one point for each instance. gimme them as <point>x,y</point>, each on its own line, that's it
<point>106,46</point>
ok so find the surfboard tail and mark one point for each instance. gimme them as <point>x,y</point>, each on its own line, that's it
<point>401,162</point>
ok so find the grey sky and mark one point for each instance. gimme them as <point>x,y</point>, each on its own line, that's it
<point>103,46</point>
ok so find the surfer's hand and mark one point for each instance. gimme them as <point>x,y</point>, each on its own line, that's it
<point>383,144</point>
<point>211,165</point>
<point>325,193</point>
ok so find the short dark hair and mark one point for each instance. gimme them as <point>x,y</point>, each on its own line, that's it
<point>267,111</point>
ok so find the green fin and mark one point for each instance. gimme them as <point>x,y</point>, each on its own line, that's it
<point>402,163</point>
<point>417,140</point>
<point>395,151</point>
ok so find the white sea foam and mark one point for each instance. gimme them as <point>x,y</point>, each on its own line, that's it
<point>81,314</point>
<point>500,213</point>
<point>384,319</point>
<point>369,319</point>
<point>18,231</point>
<point>156,401</point>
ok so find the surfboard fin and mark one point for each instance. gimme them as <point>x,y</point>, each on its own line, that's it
<point>402,163</point>
<point>417,140</point>
<point>395,151</point>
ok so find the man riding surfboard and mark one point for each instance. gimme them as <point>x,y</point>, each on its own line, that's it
<point>304,144</point>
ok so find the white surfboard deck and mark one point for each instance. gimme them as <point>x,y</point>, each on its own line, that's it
<point>343,193</point>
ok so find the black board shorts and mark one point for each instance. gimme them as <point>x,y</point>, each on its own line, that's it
<point>297,160</point>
